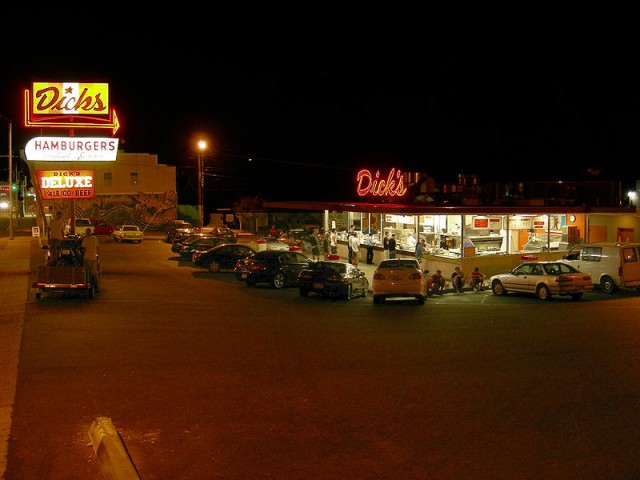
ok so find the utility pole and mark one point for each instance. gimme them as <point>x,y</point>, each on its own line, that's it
<point>10,178</point>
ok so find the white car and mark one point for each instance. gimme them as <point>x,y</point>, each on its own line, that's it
<point>128,233</point>
<point>81,226</point>
<point>269,243</point>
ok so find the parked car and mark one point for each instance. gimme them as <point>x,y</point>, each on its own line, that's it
<point>269,243</point>
<point>197,242</point>
<point>176,229</point>
<point>399,278</point>
<point>81,225</point>
<point>279,269</point>
<point>220,231</point>
<point>611,265</point>
<point>128,233</point>
<point>100,227</point>
<point>221,258</point>
<point>332,279</point>
<point>543,279</point>
<point>298,240</point>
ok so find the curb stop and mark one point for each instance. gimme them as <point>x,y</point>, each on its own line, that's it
<point>114,459</point>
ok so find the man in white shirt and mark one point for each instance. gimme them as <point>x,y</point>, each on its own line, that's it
<point>354,242</point>
<point>411,242</point>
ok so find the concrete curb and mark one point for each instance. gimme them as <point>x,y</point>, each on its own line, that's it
<point>114,459</point>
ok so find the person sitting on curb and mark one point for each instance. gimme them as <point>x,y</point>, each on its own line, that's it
<point>457,279</point>
<point>436,283</point>
<point>476,279</point>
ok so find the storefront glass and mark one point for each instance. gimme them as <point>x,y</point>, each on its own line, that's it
<point>463,235</point>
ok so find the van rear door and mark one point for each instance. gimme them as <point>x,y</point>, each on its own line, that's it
<point>630,266</point>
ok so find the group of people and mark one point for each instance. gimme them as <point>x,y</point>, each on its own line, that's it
<point>436,282</point>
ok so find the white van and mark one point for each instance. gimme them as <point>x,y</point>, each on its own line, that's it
<point>611,265</point>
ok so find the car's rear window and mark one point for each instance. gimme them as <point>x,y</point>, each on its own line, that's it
<point>398,264</point>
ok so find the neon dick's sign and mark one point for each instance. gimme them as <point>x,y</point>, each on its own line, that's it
<point>390,186</point>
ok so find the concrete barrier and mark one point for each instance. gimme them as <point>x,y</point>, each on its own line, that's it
<point>115,462</point>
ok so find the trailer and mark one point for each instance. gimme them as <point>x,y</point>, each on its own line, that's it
<point>65,271</point>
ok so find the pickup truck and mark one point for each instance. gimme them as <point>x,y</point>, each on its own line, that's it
<point>65,271</point>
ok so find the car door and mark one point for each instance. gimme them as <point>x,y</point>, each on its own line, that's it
<point>630,266</point>
<point>519,279</point>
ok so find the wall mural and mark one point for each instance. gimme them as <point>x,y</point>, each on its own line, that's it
<point>147,211</point>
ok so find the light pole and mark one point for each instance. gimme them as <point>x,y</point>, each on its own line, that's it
<point>202,145</point>
<point>10,180</point>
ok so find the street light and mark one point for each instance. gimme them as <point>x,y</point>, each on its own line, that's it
<point>202,146</point>
<point>10,180</point>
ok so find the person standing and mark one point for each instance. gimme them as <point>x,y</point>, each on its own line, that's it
<point>315,244</point>
<point>411,242</point>
<point>457,279</point>
<point>385,245</point>
<point>392,246</point>
<point>334,241</point>
<point>354,242</point>
<point>90,248</point>
<point>369,245</point>
<point>55,231</point>
<point>326,244</point>
<point>420,249</point>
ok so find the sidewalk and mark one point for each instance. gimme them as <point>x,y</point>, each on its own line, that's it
<point>15,271</point>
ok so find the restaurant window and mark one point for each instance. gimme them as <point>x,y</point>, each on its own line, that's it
<point>133,178</point>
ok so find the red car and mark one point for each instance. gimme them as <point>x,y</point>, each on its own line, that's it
<point>102,228</point>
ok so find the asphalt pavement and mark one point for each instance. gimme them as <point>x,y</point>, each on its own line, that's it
<point>19,257</point>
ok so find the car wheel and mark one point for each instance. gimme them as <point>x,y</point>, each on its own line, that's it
<point>497,288</point>
<point>576,296</point>
<point>250,281</point>
<point>213,266</point>
<point>608,285</point>
<point>278,280</point>
<point>543,292</point>
<point>377,299</point>
<point>420,299</point>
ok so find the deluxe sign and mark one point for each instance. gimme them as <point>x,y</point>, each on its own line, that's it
<point>70,149</point>
<point>69,105</point>
<point>389,186</point>
<point>65,184</point>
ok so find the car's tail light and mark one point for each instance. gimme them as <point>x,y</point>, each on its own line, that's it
<point>378,276</point>
<point>415,276</point>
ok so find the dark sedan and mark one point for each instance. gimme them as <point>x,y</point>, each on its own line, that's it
<point>186,247</point>
<point>333,280</point>
<point>222,258</point>
<point>279,269</point>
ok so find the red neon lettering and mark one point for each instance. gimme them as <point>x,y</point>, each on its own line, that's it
<point>49,98</point>
<point>392,186</point>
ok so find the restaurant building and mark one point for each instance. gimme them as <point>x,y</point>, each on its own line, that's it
<point>493,227</point>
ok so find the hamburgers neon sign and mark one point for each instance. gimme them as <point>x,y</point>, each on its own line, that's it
<point>374,184</point>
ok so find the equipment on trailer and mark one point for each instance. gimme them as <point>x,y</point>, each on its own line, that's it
<point>65,270</point>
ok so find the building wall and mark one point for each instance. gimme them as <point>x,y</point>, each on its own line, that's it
<point>140,191</point>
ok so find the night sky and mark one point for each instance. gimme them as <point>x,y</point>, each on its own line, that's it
<point>296,122</point>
